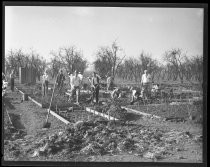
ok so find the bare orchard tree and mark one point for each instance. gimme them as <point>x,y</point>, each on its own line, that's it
<point>194,68</point>
<point>68,58</point>
<point>198,68</point>
<point>56,65</point>
<point>133,68</point>
<point>16,59</point>
<point>72,59</point>
<point>146,62</point>
<point>175,59</point>
<point>38,63</point>
<point>103,65</point>
<point>109,59</point>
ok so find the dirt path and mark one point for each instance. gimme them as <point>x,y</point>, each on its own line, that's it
<point>27,115</point>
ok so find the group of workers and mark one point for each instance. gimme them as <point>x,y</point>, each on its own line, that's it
<point>147,87</point>
<point>76,83</point>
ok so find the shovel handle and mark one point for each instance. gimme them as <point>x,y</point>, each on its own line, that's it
<point>51,100</point>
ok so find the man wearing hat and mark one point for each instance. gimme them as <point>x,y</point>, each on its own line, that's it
<point>75,86</point>
<point>95,87</point>
<point>145,83</point>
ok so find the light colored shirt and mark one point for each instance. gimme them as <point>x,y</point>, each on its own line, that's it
<point>45,77</point>
<point>76,81</point>
<point>71,79</point>
<point>98,76</point>
<point>80,76</point>
<point>109,79</point>
<point>115,93</point>
<point>12,75</point>
<point>154,88</point>
<point>145,78</point>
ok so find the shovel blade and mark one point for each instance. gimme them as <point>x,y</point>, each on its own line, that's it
<point>47,125</point>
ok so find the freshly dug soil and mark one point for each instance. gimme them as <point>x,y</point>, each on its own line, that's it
<point>138,140</point>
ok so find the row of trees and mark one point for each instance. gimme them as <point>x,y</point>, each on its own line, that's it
<point>17,58</point>
<point>178,66</point>
<point>111,60</point>
<point>67,58</point>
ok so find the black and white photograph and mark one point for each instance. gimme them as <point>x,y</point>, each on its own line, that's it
<point>103,83</point>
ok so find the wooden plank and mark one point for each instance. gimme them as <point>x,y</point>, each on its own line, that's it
<point>68,94</point>
<point>142,113</point>
<point>51,112</point>
<point>100,114</point>
<point>19,90</point>
<point>39,104</point>
<point>59,117</point>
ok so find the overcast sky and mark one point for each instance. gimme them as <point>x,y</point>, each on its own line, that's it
<point>152,30</point>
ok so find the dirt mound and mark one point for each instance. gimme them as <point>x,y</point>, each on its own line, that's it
<point>100,138</point>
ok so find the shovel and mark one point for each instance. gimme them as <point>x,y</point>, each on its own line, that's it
<point>47,124</point>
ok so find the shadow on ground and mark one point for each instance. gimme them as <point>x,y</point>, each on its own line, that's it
<point>16,121</point>
<point>7,102</point>
<point>133,117</point>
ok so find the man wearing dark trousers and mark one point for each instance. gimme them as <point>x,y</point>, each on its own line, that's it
<point>95,87</point>
<point>60,81</point>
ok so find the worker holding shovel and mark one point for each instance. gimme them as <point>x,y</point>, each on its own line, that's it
<point>75,86</point>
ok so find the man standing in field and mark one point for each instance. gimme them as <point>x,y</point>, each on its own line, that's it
<point>95,87</point>
<point>80,76</point>
<point>75,87</point>
<point>60,80</point>
<point>45,83</point>
<point>12,80</point>
<point>145,84</point>
<point>70,80</point>
<point>109,82</point>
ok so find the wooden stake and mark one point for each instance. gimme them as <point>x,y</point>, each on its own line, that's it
<point>109,115</point>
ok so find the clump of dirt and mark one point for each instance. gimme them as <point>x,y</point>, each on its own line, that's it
<point>112,108</point>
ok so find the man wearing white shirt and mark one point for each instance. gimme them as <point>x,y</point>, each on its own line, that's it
<point>80,75</point>
<point>75,87</point>
<point>109,83</point>
<point>145,83</point>
<point>45,83</point>
<point>71,80</point>
<point>116,93</point>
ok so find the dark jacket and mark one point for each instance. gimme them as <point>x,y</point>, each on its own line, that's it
<point>60,78</point>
